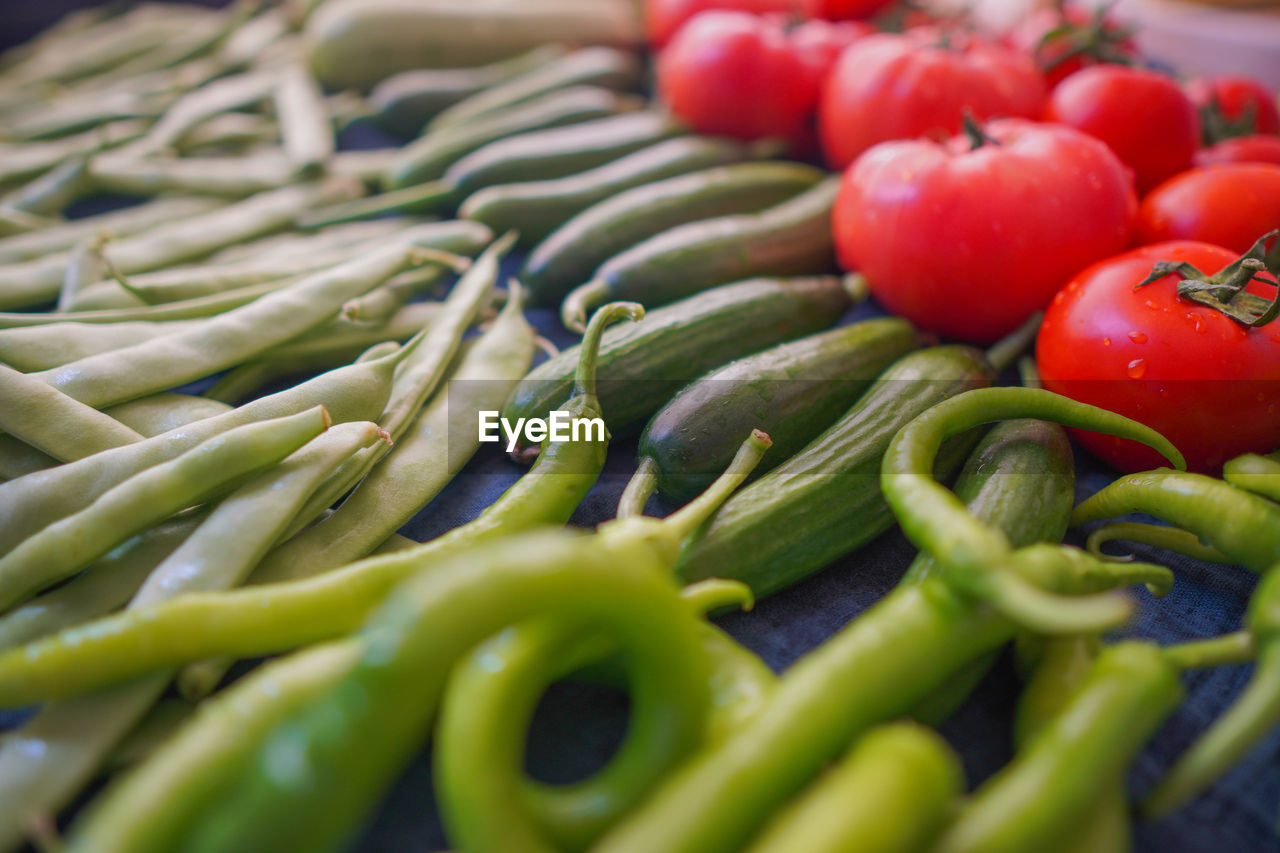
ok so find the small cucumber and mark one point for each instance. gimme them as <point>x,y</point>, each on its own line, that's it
<point>593,66</point>
<point>576,249</point>
<point>405,102</point>
<point>825,501</point>
<point>428,156</point>
<point>353,44</point>
<point>559,151</point>
<point>536,208</point>
<point>648,361</point>
<point>791,238</point>
<point>792,391</point>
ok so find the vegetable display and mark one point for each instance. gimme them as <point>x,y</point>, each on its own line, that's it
<point>287,287</point>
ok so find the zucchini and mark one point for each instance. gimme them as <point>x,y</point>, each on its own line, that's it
<point>405,102</point>
<point>574,251</point>
<point>646,362</point>
<point>825,501</point>
<point>593,66</point>
<point>428,156</point>
<point>792,391</point>
<point>536,208</point>
<point>791,238</point>
<point>559,151</point>
<point>353,44</point>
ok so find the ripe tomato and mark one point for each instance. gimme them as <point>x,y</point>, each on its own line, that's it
<point>663,18</point>
<point>1210,384</point>
<point>1233,105</point>
<point>842,10</point>
<point>909,85</point>
<point>1231,205</point>
<point>969,243</point>
<point>1142,115</point>
<point>735,74</point>
<point>1062,41</point>
<point>1241,149</point>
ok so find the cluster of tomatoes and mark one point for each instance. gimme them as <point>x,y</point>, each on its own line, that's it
<point>990,176</point>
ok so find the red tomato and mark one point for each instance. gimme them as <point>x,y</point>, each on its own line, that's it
<point>842,10</point>
<point>909,85</point>
<point>1234,105</point>
<point>820,43</point>
<point>1231,205</point>
<point>1063,41</point>
<point>1142,115</point>
<point>1241,149</point>
<point>737,75</point>
<point>1210,384</point>
<point>969,243</point>
<point>663,18</point>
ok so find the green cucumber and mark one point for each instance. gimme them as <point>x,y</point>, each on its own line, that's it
<point>825,501</point>
<point>536,208</point>
<point>648,361</point>
<point>352,44</point>
<point>428,156</point>
<point>405,102</point>
<point>559,151</point>
<point>792,391</point>
<point>593,66</point>
<point>792,238</point>
<point>576,249</point>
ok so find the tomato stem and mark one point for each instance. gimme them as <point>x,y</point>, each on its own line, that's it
<point>977,136</point>
<point>1225,291</point>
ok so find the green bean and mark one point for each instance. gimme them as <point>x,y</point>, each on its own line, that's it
<point>17,458</point>
<point>105,586</point>
<point>244,713</point>
<point>234,177</point>
<point>329,346</point>
<point>252,39</point>
<point>356,392</point>
<point>31,159</point>
<point>160,725</point>
<point>382,303</point>
<point>859,804</point>
<point>366,166</point>
<point>430,453</point>
<point>290,244</point>
<point>163,412</point>
<point>186,309</point>
<point>77,115</point>
<point>305,128</point>
<point>34,348</point>
<point>14,221</point>
<point>593,66</point>
<point>86,265</point>
<point>55,190</point>
<point>226,339</point>
<point>220,96</point>
<point>39,280</point>
<point>426,197</point>
<point>229,132</point>
<point>118,223</point>
<point>68,545</point>
<point>170,285</point>
<point>51,421</point>
<point>62,32</point>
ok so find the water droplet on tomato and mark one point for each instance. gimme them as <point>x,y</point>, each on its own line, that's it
<point>1163,392</point>
<point>1106,342</point>
<point>1197,322</point>
<point>1138,337</point>
<point>1151,303</point>
<point>1137,368</point>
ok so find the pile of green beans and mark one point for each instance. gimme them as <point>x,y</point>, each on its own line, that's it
<point>219,404</point>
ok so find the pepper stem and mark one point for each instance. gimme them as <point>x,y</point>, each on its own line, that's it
<point>704,596</point>
<point>584,379</point>
<point>684,521</point>
<point>1233,648</point>
<point>1003,352</point>
<point>1173,539</point>
<point>580,301</point>
<point>639,489</point>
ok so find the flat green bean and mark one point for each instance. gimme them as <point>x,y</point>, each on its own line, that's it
<point>71,543</point>
<point>226,339</point>
<point>305,128</point>
<point>51,421</point>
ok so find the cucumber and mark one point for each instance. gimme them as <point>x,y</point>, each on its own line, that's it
<point>353,44</point>
<point>825,501</point>
<point>568,256</point>
<point>536,208</point>
<point>648,361</point>
<point>559,151</point>
<point>791,238</point>
<point>428,156</point>
<point>405,102</point>
<point>792,391</point>
<point>593,66</point>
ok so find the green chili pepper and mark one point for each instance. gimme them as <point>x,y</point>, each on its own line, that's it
<point>1243,526</point>
<point>1257,474</point>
